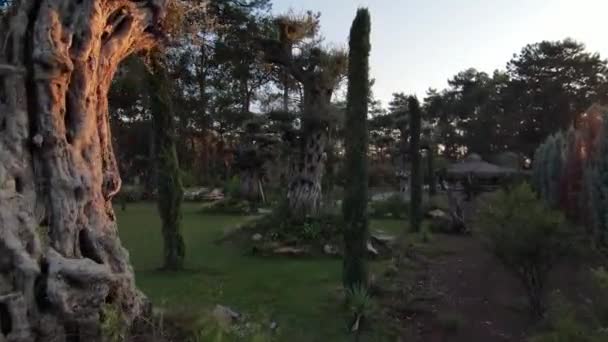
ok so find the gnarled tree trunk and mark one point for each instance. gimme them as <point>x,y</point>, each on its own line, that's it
<point>57,167</point>
<point>304,193</point>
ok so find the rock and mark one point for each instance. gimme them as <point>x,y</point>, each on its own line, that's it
<point>356,323</point>
<point>290,251</point>
<point>195,194</point>
<point>264,211</point>
<point>274,325</point>
<point>257,237</point>
<point>371,249</point>
<point>330,250</point>
<point>215,195</point>
<point>437,213</point>
<point>225,316</point>
<point>383,238</point>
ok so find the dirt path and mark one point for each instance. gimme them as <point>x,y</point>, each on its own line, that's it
<point>459,294</point>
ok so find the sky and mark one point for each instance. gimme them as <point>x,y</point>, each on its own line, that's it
<point>418,44</point>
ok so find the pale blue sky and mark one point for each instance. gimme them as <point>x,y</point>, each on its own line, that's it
<point>417,44</point>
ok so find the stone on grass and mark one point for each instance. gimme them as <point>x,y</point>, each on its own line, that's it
<point>383,238</point>
<point>290,251</point>
<point>225,316</point>
<point>371,249</point>
<point>330,250</point>
<point>437,213</point>
<point>215,195</point>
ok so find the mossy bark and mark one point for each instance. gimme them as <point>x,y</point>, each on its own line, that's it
<point>169,184</point>
<point>416,174</point>
<point>356,231</point>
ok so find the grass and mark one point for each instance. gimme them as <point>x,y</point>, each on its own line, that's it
<point>302,296</point>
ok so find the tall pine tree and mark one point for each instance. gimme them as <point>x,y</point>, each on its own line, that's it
<point>356,143</point>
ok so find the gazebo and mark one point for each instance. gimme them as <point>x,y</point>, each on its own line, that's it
<point>476,167</point>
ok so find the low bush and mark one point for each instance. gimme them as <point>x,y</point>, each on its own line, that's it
<point>227,206</point>
<point>318,230</point>
<point>361,306</point>
<point>526,236</point>
<point>188,178</point>
<point>232,187</point>
<point>584,322</point>
<point>425,233</point>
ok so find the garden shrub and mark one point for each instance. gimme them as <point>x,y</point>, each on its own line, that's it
<point>426,233</point>
<point>361,306</point>
<point>228,206</point>
<point>585,322</point>
<point>526,236</point>
<point>113,325</point>
<point>188,178</point>
<point>232,187</point>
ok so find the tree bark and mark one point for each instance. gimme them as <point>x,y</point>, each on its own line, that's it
<point>285,91</point>
<point>304,193</point>
<point>57,167</point>
<point>169,183</point>
<point>249,187</point>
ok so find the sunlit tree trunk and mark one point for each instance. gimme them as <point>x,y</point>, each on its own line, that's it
<point>57,167</point>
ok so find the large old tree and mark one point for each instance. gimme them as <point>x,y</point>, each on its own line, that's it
<point>60,255</point>
<point>319,73</point>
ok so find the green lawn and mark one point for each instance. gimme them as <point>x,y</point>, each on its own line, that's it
<point>301,295</point>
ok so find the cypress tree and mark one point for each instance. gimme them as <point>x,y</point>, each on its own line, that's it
<point>416,179</point>
<point>599,186</point>
<point>169,184</point>
<point>431,169</point>
<point>356,144</point>
<point>537,169</point>
<point>555,169</point>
